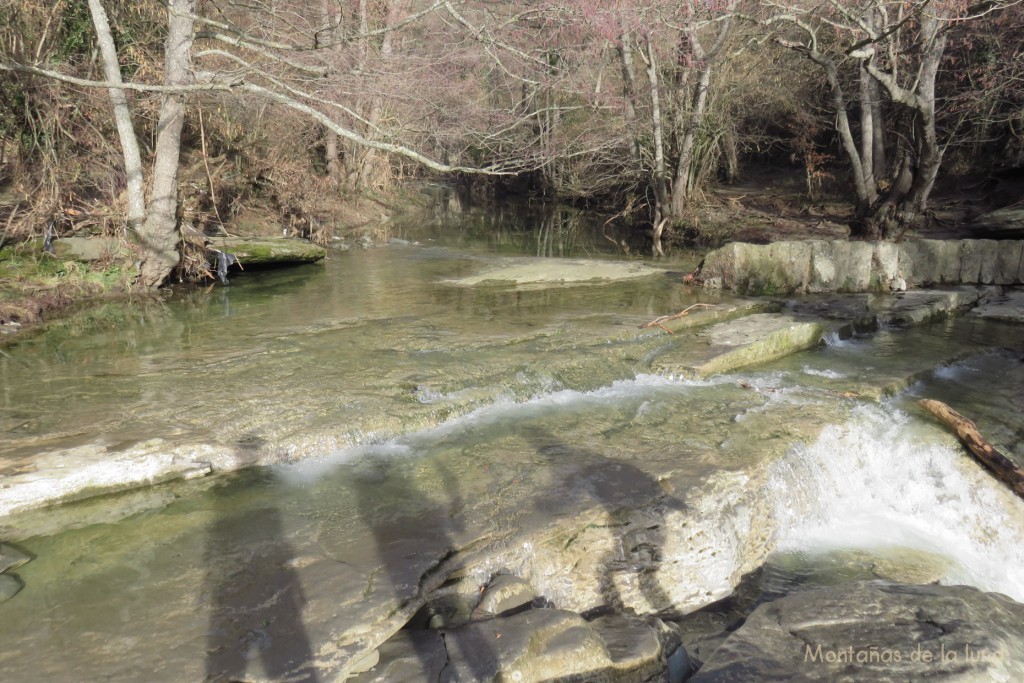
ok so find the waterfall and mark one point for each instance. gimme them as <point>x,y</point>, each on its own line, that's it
<point>887,480</point>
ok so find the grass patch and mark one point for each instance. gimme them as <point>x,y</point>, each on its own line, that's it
<point>34,284</point>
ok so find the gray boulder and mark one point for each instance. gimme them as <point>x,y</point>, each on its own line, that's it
<point>876,631</point>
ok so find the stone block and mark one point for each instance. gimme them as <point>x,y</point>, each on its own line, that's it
<point>885,266</point>
<point>854,266</point>
<point>989,249</point>
<point>978,261</point>
<point>823,267</point>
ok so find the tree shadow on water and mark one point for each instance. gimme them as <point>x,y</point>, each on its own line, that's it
<point>622,489</point>
<point>255,596</point>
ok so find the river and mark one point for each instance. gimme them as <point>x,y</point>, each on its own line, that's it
<point>398,431</point>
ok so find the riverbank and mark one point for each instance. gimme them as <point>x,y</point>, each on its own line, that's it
<point>40,284</point>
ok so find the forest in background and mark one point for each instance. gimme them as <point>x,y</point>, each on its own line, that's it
<point>294,108</point>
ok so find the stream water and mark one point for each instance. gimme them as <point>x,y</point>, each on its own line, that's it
<point>403,423</point>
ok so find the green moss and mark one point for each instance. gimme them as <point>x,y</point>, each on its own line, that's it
<point>798,337</point>
<point>33,284</point>
<point>271,251</point>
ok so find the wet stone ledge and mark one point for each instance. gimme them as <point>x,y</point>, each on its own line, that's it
<point>815,266</point>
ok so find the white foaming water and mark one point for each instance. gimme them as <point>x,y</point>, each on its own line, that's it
<point>884,481</point>
<point>954,372</point>
<point>829,374</point>
<point>502,409</point>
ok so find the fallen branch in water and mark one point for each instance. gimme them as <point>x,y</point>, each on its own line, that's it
<point>1004,469</point>
<point>659,322</point>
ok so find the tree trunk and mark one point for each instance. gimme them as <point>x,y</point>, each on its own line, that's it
<point>159,234</point>
<point>136,193</point>
<point>731,154</point>
<point>355,157</point>
<point>878,155</point>
<point>685,180</point>
<point>863,223</point>
<point>867,128</point>
<point>375,164</point>
<point>929,151</point>
<point>661,197</point>
<point>1004,469</point>
<point>331,21</point>
<point>921,164</point>
<point>629,86</point>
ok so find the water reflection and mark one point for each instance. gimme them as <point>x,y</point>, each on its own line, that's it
<point>256,599</point>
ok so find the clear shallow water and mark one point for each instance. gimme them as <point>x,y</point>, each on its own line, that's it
<point>454,418</point>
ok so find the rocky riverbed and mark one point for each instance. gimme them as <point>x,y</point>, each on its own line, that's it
<point>493,477</point>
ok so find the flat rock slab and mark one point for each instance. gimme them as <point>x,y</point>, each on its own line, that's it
<point>750,340</point>
<point>90,249</point>
<point>866,311</point>
<point>88,471</point>
<point>876,631</point>
<point>718,313</point>
<point>537,273</point>
<point>1008,307</point>
<point>922,306</point>
<point>262,252</point>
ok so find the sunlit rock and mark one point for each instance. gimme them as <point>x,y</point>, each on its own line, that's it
<point>90,249</point>
<point>545,644</point>
<point>750,340</point>
<point>817,266</point>
<point>505,593</point>
<point>535,273</point>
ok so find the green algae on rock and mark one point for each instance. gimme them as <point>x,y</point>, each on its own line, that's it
<point>259,251</point>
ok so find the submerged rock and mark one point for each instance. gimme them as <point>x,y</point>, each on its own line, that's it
<point>876,631</point>
<point>11,558</point>
<point>9,587</point>
<point>534,273</point>
<point>918,307</point>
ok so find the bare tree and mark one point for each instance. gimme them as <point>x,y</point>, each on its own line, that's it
<point>287,55</point>
<point>891,47</point>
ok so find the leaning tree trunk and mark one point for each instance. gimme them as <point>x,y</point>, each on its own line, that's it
<point>135,189</point>
<point>159,235</point>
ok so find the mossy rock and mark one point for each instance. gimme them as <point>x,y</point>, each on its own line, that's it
<point>269,251</point>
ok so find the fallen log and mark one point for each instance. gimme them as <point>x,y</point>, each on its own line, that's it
<point>1004,469</point>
